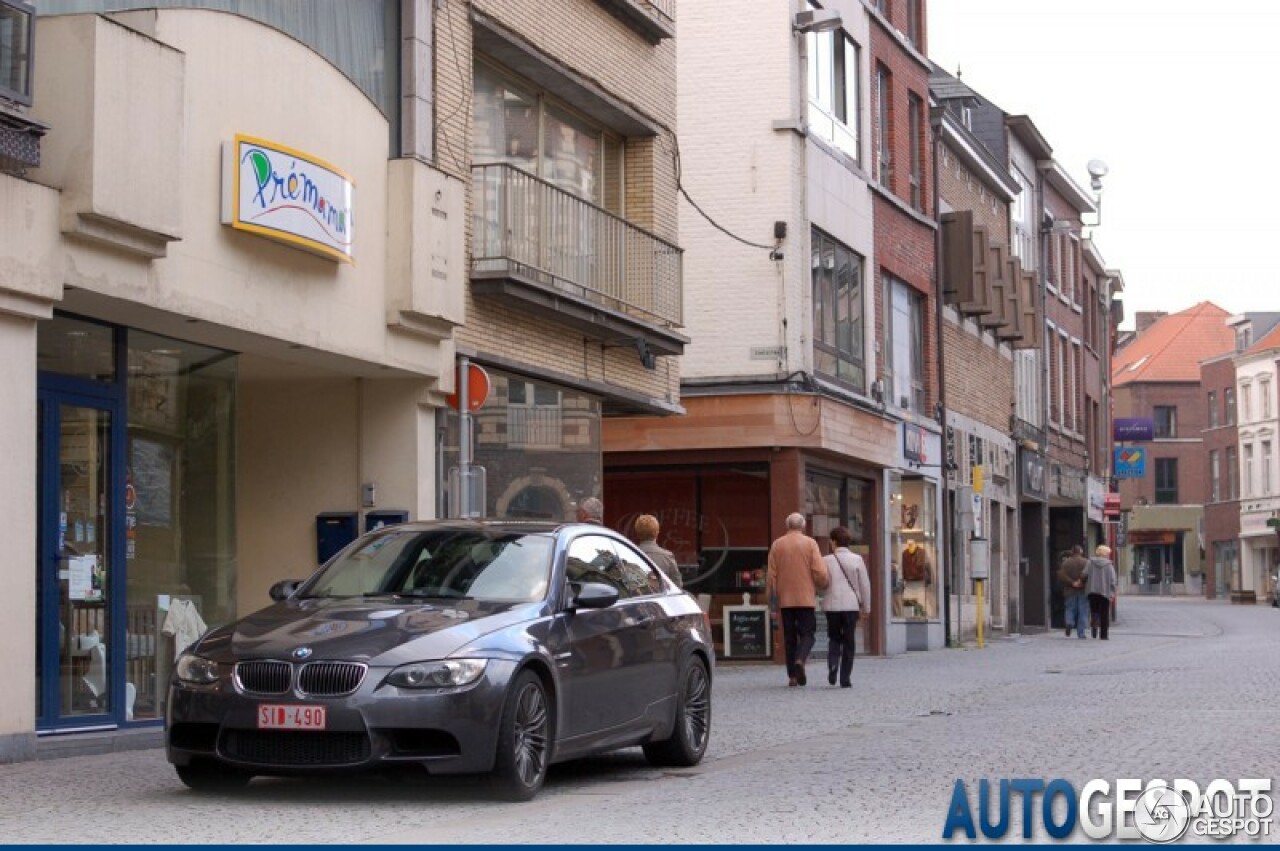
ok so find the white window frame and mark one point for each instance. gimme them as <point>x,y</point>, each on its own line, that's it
<point>1265,468</point>
<point>25,52</point>
<point>1215,476</point>
<point>824,112</point>
<point>1247,462</point>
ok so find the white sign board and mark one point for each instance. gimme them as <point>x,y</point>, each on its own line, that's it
<point>286,195</point>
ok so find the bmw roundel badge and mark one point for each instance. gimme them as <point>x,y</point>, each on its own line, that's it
<point>302,652</point>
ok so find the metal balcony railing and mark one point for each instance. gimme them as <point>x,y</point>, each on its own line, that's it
<point>525,226</point>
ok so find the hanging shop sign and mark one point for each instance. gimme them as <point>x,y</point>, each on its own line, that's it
<point>286,195</point>
<point>1130,462</point>
<point>1134,428</point>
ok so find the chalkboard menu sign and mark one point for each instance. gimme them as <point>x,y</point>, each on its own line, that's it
<point>747,632</point>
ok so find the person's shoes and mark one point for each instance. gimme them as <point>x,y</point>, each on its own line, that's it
<point>846,684</point>
<point>791,682</point>
<point>1104,638</point>
<point>1068,632</point>
<point>1095,632</point>
<point>801,679</point>
<point>1080,636</point>
<point>831,677</point>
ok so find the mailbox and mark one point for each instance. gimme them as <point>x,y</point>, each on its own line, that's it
<point>334,530</point>
<point>386,517</point>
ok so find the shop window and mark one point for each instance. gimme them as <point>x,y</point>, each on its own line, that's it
<point>914,553</point>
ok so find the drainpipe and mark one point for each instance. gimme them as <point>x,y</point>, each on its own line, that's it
<point>948,530</point>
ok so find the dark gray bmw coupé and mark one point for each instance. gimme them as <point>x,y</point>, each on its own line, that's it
<point>458,646</point>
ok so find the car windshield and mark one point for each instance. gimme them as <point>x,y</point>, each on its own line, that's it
<point>451,564</point>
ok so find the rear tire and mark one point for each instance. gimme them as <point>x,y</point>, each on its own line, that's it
<point>692,730</point>
<point>204,776</point>
<point>524,740</point>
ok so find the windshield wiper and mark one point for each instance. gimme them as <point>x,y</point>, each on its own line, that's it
<point>424,594</point>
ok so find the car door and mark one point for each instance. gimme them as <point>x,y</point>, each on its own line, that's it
<point>598,647</point>
<point>655,663</point>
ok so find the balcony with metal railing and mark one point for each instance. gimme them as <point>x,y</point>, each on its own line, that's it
<point>566,258</point>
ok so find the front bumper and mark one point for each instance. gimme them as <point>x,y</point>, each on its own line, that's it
<point>449,731</point>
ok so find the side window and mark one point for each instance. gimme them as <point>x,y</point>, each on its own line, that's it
<point>592,558</point>
<point>641,576</point>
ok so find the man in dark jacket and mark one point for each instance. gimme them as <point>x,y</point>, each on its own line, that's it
<point>1075,600</point>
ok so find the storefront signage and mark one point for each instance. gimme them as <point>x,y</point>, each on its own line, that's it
<point>746,632</point>
<point>1068,483</point>
<point>286,195</point>
<point>915,445</point>
<point>1134,428</point>
<point>1097,498</point>
<point>1033,475</point>
<point>1131,462</point>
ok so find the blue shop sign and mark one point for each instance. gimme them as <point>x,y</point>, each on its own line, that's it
<point>1130,462</point>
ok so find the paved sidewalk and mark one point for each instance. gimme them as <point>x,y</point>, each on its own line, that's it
<point>1184,688</point>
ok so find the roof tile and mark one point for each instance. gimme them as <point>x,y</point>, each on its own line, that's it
<point>1172,348</point>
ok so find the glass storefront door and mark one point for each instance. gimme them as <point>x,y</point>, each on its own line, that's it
<point>78,555</point>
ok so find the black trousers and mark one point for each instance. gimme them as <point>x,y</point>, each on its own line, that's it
<point>798,627</point>
<point>842,641</point>
<point>1100,607</point>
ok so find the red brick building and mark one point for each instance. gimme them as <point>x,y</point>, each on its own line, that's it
<point>1221,491</point>
<point>1158,376</point>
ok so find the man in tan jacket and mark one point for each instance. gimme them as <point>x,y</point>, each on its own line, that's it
<point>796,572</point>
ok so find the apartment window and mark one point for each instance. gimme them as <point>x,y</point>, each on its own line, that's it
<point>838,349</point>
<point>1264,394</point>
<point>1022,219</point>
<point>914,24</point>
<point>1266,469</point>
<point>1214,418</point>
<point>1166,421</point>
<point>16,40</point>
<point>1055,377</point>
<point>1215,477</point>
<point>517,125</point>
<point>1166,481</point>
<point>1229,406</point>
<point>916,128</point>
<point>1248,469</point>
<point>905,329</point>
<point>1233,473</point>
<point>1077,384</point>
<point>834,87</point>
<point>1245,415</point>
<point>1244,338</point>
<point>1070,268</point>
<point>884,117</point>
<point>1028,385</point>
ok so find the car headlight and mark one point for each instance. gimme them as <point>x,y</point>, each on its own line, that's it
<point>438,674</point>
<point>197,669</point>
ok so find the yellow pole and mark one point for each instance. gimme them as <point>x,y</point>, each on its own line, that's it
<point>980,582</point>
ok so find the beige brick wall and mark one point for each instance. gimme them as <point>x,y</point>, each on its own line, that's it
<point>583,37</point>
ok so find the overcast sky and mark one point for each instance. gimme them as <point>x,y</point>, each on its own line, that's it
<point>1177,98</point>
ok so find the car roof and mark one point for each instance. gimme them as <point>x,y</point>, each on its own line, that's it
<point>545,527</point>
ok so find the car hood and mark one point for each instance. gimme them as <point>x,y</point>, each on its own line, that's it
<point>381,631</point>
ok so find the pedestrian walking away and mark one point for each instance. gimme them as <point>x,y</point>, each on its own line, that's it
<point>1100,585</point>
<point>646,537</point>
<point>1075,599</point>
<point>848,595</point>
<point>795,575</point>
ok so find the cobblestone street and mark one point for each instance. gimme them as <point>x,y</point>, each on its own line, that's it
<point>1184,688</point>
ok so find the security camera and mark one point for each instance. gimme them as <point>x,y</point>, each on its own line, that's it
<point>1097,170</point>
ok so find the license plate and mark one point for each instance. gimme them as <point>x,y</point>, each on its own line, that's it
<point>274,716</point>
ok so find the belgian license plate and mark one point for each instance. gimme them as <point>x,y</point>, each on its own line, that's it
<point>275,716</point>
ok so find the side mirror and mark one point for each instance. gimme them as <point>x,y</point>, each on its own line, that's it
<point>595,595</point>
<point>284,589</point>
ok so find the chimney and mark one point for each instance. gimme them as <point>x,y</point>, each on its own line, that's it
<point>1144,319</point>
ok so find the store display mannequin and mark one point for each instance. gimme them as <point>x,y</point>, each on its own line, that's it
<point>917,576</point>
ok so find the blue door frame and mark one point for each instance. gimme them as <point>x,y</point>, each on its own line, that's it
<point>54,391</point>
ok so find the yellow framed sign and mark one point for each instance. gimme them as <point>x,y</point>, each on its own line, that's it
<point>286,195</point>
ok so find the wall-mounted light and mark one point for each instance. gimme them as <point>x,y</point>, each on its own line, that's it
<point>817,21</point>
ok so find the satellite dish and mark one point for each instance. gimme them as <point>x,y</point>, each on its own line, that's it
<point>1097,168</point>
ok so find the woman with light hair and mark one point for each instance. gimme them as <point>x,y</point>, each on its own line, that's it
<point>1100,584</point>
<point>645,534</point>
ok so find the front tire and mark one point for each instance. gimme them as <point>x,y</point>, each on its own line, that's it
<point>692,730</point>
<point>203,776</point>
<point>524,740</point>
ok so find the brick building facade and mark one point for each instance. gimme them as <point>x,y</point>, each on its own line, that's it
<point>1221,490</point>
